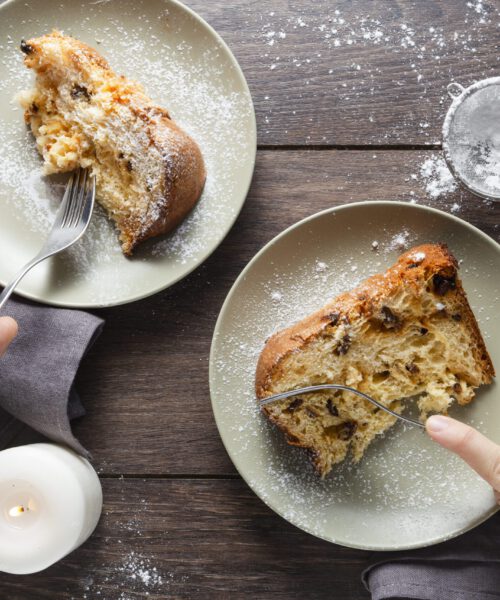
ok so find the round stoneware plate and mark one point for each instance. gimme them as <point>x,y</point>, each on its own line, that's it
<point>183,65</point>
<point>406,492</point>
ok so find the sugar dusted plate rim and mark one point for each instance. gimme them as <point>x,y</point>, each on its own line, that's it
<point>217,399</point>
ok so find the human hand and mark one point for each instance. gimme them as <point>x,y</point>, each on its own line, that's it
<point>478,451</point>
<point>8,331</point>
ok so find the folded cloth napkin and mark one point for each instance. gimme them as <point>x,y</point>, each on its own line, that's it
<point>465,568</point>
<point>38,370</point>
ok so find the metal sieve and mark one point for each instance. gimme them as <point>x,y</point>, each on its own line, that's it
<point>471,136</point>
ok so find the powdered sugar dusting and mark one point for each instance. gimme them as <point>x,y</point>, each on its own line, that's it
<point>400,241</point>
<point>197,86</point>
<point>139,569</point>
<point>138,573</point>
<point>437,177</point>
<point>362,56</point>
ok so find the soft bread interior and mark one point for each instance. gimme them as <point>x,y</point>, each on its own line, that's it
<point>415,341</point>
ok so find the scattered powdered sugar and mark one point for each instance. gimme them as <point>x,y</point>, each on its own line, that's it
<point>403,478</point>
<point>488,169</point>
<point>138,568</point>
<point>418,257</point>
<point>136,572</point>
<point>355,53</point>
<point>437,178</point>
<point>200,88</point>
<point>400,241</point>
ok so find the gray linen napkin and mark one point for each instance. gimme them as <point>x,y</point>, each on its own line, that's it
<point>38,370</point>
<point>465,568</point>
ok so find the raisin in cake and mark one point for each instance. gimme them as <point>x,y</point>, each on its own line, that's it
<point>407,332</point>
<point>149,172</point>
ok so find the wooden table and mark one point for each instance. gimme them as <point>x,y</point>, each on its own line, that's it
<point>345,115</point>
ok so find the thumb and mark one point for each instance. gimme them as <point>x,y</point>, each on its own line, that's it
<point>8,331</point>
<point>478,451</point>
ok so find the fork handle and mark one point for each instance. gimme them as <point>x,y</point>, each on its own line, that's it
<point>5,295</point>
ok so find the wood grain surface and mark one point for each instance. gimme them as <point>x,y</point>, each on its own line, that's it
<point>206,539</point>
<point>184,538</point>
<point>350,97</point>
<point>356,72</point>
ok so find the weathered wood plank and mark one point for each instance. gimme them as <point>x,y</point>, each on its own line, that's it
<point>145,383</point>
<point>206,539</point>
<point>356,72</point>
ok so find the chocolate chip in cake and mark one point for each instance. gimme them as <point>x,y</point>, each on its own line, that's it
<point>34,108</point>
<point>423,330</point>
<point>389,319</point>
<point>128,165</point>
<point>332,409</point>
<point>412,368</point>
<point>457,388</point>
<point>80,92</point>
<point>333,318</point>
<point>295,404</point>
<point>343,346</point>
<point>346,431</point>
<point>443,284</point>
<point>456,317</point>
<point>26,48</point>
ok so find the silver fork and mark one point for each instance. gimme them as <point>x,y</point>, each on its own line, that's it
<point>71,222</point>
<point>334,386</point>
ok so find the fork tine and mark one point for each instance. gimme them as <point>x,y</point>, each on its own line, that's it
<point>71,199</point>
<point>80,196</point>
<point>78,192</point>
<point>65,207</point>
<point>74,199</point>
<point>71,222</point>
<point>88,204</point>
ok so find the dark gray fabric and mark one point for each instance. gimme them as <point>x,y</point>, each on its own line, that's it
<point>466,568</point>
<point>38,370</point>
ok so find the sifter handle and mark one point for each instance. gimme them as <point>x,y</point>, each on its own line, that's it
<point>455,90</point>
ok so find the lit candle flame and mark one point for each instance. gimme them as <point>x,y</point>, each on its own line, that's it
<point>17,511</point>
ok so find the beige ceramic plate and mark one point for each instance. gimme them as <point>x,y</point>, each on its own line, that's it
<point>406,492</point>
<point>186,67</point>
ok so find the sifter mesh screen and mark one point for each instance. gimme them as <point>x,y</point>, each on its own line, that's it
<point>471,136</point>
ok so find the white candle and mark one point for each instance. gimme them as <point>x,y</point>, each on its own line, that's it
<point>50,503</point>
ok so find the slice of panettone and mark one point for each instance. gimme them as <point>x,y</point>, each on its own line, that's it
<point>407,332</point>
<point>149,172</point>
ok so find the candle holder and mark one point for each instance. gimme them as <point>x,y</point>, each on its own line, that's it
<point>50,503</point>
